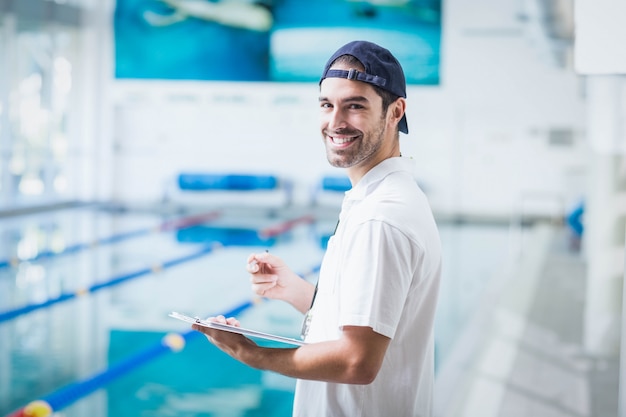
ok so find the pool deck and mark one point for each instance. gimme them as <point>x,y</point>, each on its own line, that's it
<point>523,354</point>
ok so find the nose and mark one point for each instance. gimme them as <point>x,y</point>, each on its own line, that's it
<point>335,119</point>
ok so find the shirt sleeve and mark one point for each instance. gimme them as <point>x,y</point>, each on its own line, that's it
<point>375,277</point>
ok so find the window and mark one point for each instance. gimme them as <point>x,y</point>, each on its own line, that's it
<point>38,105</point>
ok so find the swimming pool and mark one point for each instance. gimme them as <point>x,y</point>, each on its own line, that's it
<point>103,282</point>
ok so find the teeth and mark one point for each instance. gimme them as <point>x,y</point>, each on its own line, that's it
<point>341,141</point>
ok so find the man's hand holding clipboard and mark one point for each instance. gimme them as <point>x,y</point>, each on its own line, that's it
<point>222,324</point>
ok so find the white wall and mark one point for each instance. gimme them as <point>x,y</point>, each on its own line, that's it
<point>480,139</point>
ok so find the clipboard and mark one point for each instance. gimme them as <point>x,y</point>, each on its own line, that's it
<point>234,329</point>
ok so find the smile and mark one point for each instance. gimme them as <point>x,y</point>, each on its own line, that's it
<point>342,140</point>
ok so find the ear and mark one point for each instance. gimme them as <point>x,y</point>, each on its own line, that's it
<point>397,109</point>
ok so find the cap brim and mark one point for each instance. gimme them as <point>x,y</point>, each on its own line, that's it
<point>403,125</point>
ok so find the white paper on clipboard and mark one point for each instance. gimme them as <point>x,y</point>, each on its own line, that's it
<point>234,329</point>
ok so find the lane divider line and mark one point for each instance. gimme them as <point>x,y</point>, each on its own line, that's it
<point>167,226</point>
<point>116,280</point>
<point>170,343</point>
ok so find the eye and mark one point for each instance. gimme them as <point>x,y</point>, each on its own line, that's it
<point>325,105</point>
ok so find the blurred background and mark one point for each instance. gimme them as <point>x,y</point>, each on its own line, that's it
<point>148,146</point>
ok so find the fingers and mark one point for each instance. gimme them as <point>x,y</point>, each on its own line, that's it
<point>253,267</point>
<point>261,289</point>
<point>269,280</point>
<point>263,283</point>
<point>217,319</point>
<point>266,274</point>
<point>231,321</point>
<point>255,258</point>
<point>261,262</point>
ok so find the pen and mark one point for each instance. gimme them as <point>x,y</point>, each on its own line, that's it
<point>266,251</point>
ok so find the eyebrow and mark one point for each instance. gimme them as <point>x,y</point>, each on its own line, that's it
<point>358,99</point>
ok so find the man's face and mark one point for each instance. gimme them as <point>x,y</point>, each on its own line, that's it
<point>353,125</point>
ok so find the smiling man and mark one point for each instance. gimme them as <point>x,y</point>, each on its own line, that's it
<point>369,321</point>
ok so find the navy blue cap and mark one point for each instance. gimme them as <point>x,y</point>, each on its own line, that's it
<point>382,69</point>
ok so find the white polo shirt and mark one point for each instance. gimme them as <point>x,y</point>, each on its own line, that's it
<point>381,270</point>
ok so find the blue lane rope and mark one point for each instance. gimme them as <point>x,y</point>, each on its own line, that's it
<point>15,312</point>
<point>173,342</point>
<point>12,313</point>
<point>166,226</point>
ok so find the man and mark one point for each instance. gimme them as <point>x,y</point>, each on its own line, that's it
<point>369,322</point>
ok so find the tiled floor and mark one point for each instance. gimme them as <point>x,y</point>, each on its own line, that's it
<point>524,356</point>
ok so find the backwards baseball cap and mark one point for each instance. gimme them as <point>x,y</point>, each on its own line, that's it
<point>382,69</point>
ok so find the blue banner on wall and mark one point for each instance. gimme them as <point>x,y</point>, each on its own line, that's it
<point>279,40</point>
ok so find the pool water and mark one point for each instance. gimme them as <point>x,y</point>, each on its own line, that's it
<point>98,342</point>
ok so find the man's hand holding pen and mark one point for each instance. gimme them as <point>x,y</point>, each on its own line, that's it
<point>270,277</point>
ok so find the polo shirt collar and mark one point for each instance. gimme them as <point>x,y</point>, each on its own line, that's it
<point>377,174</point>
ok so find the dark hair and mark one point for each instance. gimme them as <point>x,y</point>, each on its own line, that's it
<point>352,61</point>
